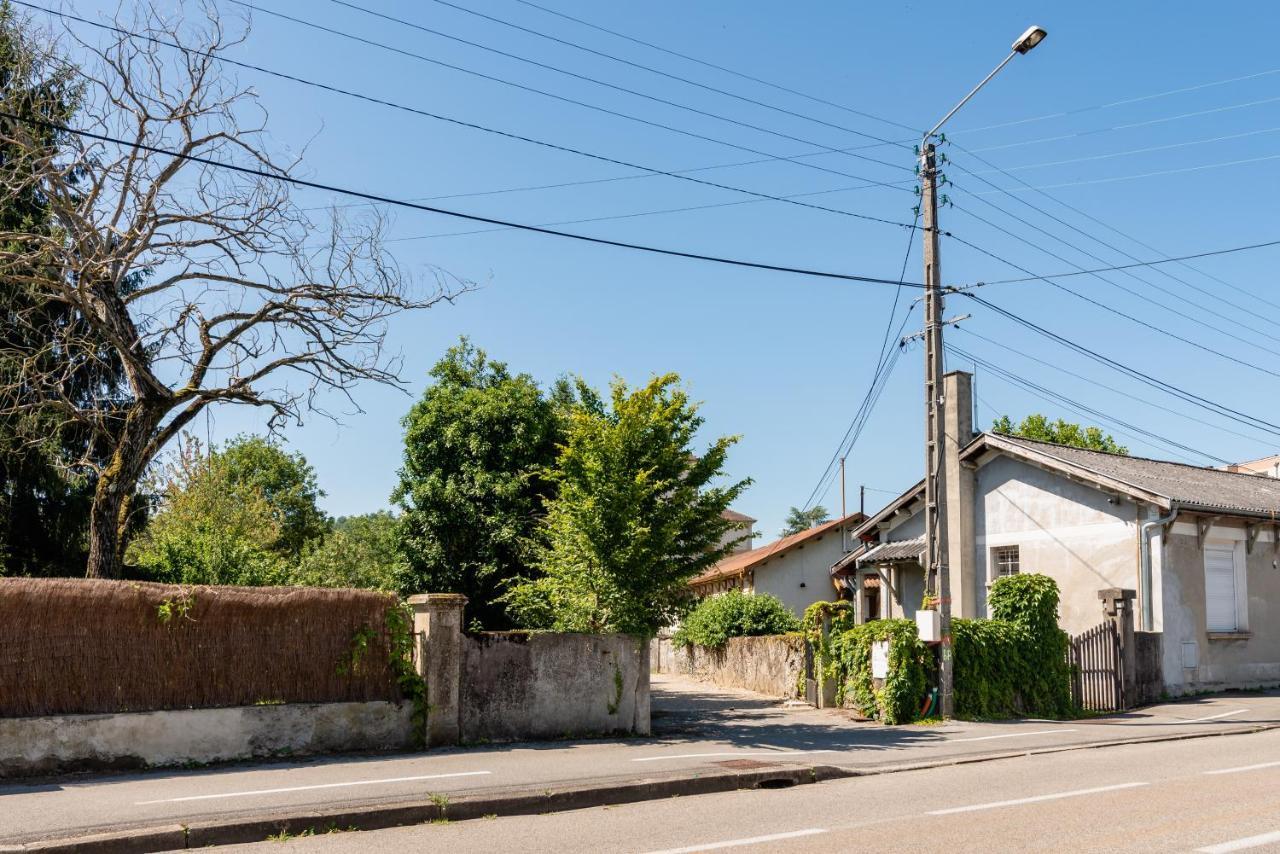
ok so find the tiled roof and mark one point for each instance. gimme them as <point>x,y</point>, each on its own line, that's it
<point>743,561</point>
<point>894,550</point>
<point>1188,486</point>
<point>735,516</point>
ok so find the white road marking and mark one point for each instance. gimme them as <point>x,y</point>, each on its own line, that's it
<point>734,754</point>
<point>1036,799</point>
<point>1215,717</point>
<point>317,786</point>
<point>1260,765</point>
<point>734,843</point>
<point>1005,735</point>
<point>1242,844</point>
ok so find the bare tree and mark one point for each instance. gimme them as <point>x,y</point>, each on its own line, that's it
<point>207,285</point>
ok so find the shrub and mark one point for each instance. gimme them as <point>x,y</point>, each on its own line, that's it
<point>910,669</point>
<point>1016,662</point>
<point>733,615</point>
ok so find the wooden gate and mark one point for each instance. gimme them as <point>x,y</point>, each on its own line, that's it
<point>1097,669</point>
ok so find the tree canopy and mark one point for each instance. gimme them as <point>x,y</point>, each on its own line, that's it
<point>1060,432</point>
<point>802,520</point>
<point>636,515</point>
<point>477,448</point>
<point>360,551</point>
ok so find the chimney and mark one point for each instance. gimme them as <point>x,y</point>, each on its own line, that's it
<point>967,592</point>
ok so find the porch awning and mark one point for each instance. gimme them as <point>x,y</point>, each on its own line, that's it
<point>894,551</point>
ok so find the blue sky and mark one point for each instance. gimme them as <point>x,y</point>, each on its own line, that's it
<point>785,360</point>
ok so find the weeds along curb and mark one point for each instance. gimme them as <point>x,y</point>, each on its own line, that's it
<point>285,823</point>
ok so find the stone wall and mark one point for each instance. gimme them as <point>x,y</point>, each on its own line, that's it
<point>530,685</point>
<point>772,665</point>
<point>59,743</point>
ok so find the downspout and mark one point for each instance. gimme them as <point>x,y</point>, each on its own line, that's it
<point>1144,550</point>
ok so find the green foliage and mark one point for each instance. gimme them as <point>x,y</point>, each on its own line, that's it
<point>413,687</point>
<point>635,517</point>
<point>360,551</point>
<point>898,700</point>
<point>1014,663</point>
<point>233,516</point>
<point>176,608</point>
<point>802,520</point>
<point>1060,432</point>
<point>473,481</point>
<point>733,615</point>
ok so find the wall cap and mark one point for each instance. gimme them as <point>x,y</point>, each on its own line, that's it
<point>437,600</point>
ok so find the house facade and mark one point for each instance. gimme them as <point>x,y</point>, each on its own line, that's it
<point>1199,546</point>
<point>796,569</point>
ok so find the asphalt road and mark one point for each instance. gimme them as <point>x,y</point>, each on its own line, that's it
<point>1211,795</point>
<point>697,729</point>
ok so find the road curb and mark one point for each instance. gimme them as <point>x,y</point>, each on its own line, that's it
<point>284,823</point>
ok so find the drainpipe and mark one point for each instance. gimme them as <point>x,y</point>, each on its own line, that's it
<point>1144,548</point>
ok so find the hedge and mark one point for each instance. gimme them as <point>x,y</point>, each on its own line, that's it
<point>733,615</point>
<point>910,669</point>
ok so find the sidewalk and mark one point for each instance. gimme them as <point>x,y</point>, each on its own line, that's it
<point>705,739</point>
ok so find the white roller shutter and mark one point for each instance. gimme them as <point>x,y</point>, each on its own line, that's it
<point>1220,588</point>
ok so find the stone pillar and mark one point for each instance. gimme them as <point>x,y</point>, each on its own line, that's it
<point>957,489</point>
<point>437,619</point>
<point>1117,603</point>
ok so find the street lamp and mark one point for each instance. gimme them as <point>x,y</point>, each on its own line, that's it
<point>937,574</point>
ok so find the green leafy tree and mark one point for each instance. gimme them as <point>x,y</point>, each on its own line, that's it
<point>47,465</point>
<point>243,514</point>
<point>472,486</point>
<point>1060,432</point>
<point>733,615</point>
<point>360,551</point>
<point>636,515</point>
<point>802,520</point>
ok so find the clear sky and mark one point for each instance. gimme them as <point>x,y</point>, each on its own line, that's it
<point>785,360</point>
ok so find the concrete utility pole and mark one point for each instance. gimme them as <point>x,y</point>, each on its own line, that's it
<point>937,575</point>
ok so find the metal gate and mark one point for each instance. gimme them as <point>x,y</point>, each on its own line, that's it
<point>1097,669</point>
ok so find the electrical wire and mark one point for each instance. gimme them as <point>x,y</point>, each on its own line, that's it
<point>459,122</point>
<point>1139,175</point>
<point>1078,407</point>
<point>1219,409</point>
<point>916,131</point>
<point>562,98</point>
<point>387,200</point>
<point>879,141</point>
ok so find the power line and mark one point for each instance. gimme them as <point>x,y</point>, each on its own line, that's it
<point>1182,394</point>
<point>1136,176</point>
<point>1126,394</point>
<point>459,122</point>
<point>1118,286</point>
<point>880,141</point>
<point>387,200</point>
<point>1034,278</point>
<point>726,70</point>
<point>562,98</point>
<point>1079,408</point>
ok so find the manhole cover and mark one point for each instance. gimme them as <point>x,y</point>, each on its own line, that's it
<point>745,764</point>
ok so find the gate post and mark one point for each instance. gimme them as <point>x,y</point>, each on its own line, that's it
<point>437,620</point>
<point>1118,606</point>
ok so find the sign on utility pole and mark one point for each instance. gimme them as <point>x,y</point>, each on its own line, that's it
<point>937,576</point>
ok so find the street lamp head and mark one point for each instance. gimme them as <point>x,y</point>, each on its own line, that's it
<point>1032,37</point>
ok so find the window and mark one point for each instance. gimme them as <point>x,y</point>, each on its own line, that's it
<point>1005,560</point>
<point>1221,589</point>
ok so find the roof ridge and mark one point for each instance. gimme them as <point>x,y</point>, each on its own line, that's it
<point>1129,456</point>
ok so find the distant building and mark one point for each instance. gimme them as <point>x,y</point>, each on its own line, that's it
<point>743,532</point>
<point>1267,466</point>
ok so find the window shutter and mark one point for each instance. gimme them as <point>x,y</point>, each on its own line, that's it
<point>1220,589</point>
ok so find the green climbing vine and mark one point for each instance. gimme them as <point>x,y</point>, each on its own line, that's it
<point>897,699</point>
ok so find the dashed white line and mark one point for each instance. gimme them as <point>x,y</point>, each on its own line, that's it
<point>1235,770</point>
<point>316,786</point>
<point>734,843</point>
<point>1005,735</point>
<point>1242,844</point>
<point>1036,799</point>
<point>735,754</point>
<point>1215,717</point>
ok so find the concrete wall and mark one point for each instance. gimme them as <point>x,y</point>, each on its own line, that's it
<point>521,685</point>
<point>771,665</point>
<point>802,575</point>
<point>142,739</point>
<point>1065,530</point>
<point>1246,659</point>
